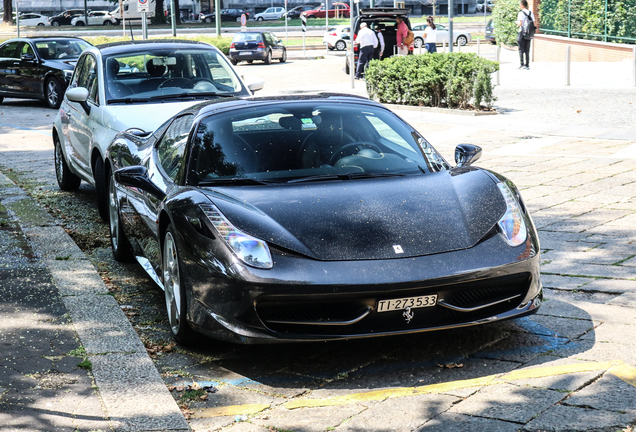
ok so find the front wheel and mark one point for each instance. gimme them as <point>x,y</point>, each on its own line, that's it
<point>418,42</point>
<point>122,251</point>
<point>260,19</point>
<point>208,20</point>
<point>79,23</point>
<point>268,59</point>
<point>462,40</point>
<point>283,59</point>
<point>341,45</point>
<point>174,290</point>
<point>66,180</point>
<point>55,23</point>
<point>99,175</point>
<point>53,93</point>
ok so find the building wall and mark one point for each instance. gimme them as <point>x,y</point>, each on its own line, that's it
<point>547,48</point>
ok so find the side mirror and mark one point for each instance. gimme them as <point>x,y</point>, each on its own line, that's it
<point>79,95</point>
<point>255,84</point>
<point>27,57</point>
<point>467,154</point>
<point>136,176</point>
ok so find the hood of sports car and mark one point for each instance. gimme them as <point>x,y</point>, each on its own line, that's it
<point>369,219</point>
<point>147,117</point>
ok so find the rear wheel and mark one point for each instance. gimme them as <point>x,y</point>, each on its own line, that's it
<point>462,40</point>
<point>418,42</point>
<point>341,45</point>
<point>260,19</point>
<point>107,23</point>
<point>283,59</point>
<point>174,290</point>
<point>121,247</point>
<point>66,180</point>
<point>99,176</point>
<point>53,93</point>
<point>268,59</point>
<point>234,62</point>
<point>249,61</point>
<point>40,24</point>
<point>238,19</point>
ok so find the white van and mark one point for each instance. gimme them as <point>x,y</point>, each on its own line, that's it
<point>131,11</point>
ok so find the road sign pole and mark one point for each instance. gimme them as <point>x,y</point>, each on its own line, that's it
<point>217,17</point>
<point>144,26</point>
<point>286,21</point>
<point>173,19</point>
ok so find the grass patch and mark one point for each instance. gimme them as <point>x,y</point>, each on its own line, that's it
<point>77,352</point>
<point>192,395</point>
<point>85,364</point>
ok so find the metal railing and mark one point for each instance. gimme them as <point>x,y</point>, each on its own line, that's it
<point>614,21</point>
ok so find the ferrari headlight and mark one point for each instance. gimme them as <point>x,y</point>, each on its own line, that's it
<point>250,250</point>
<point>512,226</point>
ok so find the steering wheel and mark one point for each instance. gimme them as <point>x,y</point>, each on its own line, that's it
<point>348,147</point>
<point>175,82</point>
<point>203,84</point>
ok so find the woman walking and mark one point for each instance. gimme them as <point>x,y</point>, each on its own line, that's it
<point>430,35</point>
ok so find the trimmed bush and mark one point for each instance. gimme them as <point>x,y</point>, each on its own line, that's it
<point>454,80</point>
<point>504,17</point>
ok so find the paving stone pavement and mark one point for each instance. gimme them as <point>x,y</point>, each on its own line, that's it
<point>572,367</point>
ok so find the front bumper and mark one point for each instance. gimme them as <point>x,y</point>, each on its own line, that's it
<point>307,300</point>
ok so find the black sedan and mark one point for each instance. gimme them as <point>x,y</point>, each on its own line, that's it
<point>250,46</point>
<point>226,15</point>
<point>66,17</point>
<point>314,218</point>
<point>38,68</point>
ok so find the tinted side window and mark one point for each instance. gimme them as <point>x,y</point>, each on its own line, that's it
<point>86,76</point>
<point>10,50</point>
<point>171,148</point>
<point>26,49</point>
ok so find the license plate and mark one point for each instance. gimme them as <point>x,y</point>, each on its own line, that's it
<point>403,303</point>
<point>245,53</point>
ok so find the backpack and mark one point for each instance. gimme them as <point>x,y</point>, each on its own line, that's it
<point>527,27</point>
<point>410,37</point>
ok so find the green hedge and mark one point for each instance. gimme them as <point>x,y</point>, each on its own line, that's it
<point>504,17</point>
<point>454,80</point>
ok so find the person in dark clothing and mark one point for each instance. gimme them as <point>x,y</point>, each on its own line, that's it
<point>367,41</point>
<point>523,43</point>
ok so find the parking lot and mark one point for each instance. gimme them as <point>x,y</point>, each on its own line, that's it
<point>572,366</point>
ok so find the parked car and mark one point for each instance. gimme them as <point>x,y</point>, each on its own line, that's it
<point>295,12</point>
<point>226,15</point>
<point>34,19</point>
<point>272,13</point>
<point>373,17</point>
<point>95,18</point>
<point>66,17</point>
<point>316,218</point>
<point>489,34</point>
<point>459,37</point>
<point>253,45</point>
<point>38,67</point>
<point>340,10</point>
<point>336,37</point>
<point>480,5</point>
<point>137,85</point>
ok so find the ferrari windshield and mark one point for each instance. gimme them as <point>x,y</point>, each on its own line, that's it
<point>307,141</point>
<point>143,76</point>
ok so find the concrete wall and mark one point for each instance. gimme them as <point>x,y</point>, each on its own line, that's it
<point>552,49</point>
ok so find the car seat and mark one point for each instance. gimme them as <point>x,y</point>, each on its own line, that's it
<point>319,147</point>
<point>155,72</point>
<point>114,88</point>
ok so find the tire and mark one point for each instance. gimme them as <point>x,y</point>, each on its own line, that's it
<point>238,19</point>
<point>108,23</point>
<point>99,175</point>
<point>260,19</point>
<point>418,42</point>
<point>283,59</point>
<point>174,290</point>
<point>208,20</point>
<point>53,93</point>
<point>249,61</point>
<point>79,24</point>
<point>268,59</point>
<point>234,62</point>
<point>462,40</point>
<point>55,23</point>
<point>66,180</point>
<point>122,251</point>
<point>40,25</point>
<point>341,45</point>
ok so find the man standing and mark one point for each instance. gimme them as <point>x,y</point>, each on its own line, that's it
<point>378,53</point>
<point>400,34</point>
<point>367,42</point>
<point>523,18</point>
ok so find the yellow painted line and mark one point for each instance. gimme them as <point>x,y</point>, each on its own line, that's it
<point>625,372</point>
<point>379,395</point>
<point>229,410</point>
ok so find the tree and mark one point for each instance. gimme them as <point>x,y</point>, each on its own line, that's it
<point>159,18</point>
<point>8,12</point>
<point>504,16</point>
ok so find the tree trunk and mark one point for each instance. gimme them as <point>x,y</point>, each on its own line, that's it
<point>159,17</point>
<point>176,12</point>
<point>8,12</point>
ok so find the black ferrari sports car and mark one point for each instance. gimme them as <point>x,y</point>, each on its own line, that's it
<point>317,217</point>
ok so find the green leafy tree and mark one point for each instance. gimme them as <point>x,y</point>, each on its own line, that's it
<point>504,16</point>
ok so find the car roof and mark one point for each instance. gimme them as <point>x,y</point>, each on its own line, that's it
<point>383,12</point>
<point>131,46</point>
<point>44,38</point>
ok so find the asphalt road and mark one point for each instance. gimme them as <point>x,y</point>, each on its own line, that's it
<point>570,367</point>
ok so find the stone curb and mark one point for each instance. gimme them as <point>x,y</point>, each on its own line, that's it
<point>135,397</point>
<point>441,110</point>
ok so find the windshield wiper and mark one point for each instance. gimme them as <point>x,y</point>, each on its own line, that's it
<point>193,95</point>
<point>232,181</point>
<point>128,100</point>
<point>349,176</point>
